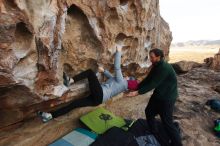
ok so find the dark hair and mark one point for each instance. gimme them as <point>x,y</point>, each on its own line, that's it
<point>157,52</point>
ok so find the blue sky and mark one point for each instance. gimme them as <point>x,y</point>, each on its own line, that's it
<point>192,19</point>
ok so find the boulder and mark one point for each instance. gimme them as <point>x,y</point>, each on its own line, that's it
<point>184,66</point>
<point>41,39</point>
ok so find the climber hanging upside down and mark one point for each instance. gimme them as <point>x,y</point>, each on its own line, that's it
<point>99,93</point>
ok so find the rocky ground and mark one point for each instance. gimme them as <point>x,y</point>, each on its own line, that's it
<point>196,119</point>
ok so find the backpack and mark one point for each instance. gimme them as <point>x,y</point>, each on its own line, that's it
<point>214,104</point>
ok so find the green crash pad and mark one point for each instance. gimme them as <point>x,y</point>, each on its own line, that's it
<point>100,120</point>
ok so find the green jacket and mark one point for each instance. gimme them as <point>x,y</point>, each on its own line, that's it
<point>162,77</point>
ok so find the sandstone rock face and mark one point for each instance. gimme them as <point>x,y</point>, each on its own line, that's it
<point>41,39</point>
<point>216,61</point>
<point>213,62</point>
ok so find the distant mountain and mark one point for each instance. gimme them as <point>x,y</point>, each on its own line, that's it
<point>196,43</point>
